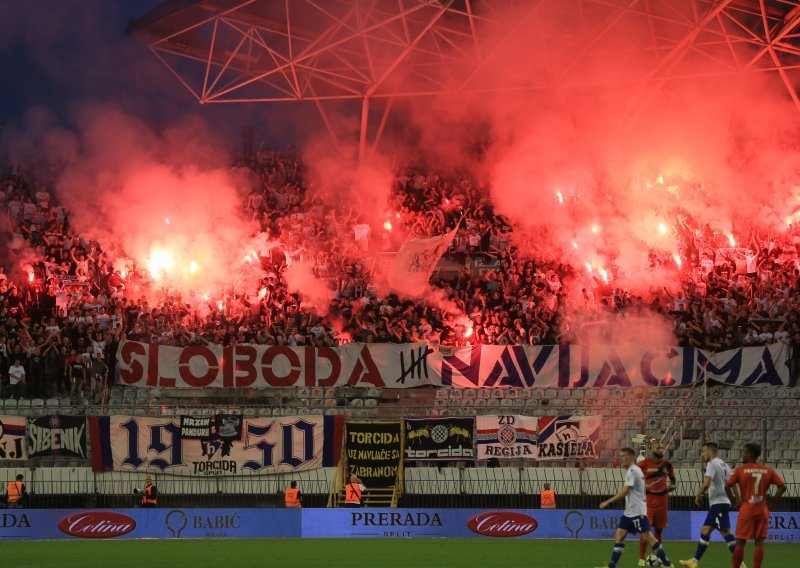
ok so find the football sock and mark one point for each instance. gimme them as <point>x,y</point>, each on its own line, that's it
<point>616,554</point>
<point>702,546</point>
<point>738,555</point>
<point>658,550</point>
<point>758,556</point>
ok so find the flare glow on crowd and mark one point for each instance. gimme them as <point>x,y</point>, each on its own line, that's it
<point>571,214</point>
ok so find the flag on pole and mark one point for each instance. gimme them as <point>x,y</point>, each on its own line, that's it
<point>414,263</point>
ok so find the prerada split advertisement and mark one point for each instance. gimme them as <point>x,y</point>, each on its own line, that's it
<point>348,523</point>
<point>418,364</point>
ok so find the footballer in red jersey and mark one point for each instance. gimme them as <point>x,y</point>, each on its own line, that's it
<point>659,481</point>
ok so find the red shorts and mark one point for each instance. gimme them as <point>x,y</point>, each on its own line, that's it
<point>657,517</point>
<point>751,528</point>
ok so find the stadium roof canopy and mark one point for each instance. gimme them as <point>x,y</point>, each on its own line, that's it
<point>373,50</point>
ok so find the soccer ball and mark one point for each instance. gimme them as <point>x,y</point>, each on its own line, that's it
<point>653,560</point>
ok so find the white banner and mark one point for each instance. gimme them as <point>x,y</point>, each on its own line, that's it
<point>568,437</point>
<point>390,365</point>
<point>200,366</point>
<point>589,366</point>
<point>414,263</point>
<point>12,438</point>
<point>278,445</point>
<point>507,437</point>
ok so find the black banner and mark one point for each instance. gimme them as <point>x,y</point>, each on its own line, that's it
<point>57,436</point>
<point>196,427</point>
<point>227,427</point>
<point>373,451</point>
<point>440,439</point>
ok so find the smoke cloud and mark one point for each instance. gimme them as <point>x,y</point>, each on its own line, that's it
<point>167,200</point>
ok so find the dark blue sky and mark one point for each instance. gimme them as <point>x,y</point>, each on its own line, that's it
<point>66,54</point>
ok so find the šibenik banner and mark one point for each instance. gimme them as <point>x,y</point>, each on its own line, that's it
<point>264,446</point>
<point>55,436</point>
<point>419,364</point>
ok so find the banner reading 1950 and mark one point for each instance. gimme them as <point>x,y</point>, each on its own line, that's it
<point>232,446</point>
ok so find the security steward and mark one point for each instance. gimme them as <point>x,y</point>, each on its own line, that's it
<point>353,492</point>
<point>149,493</point>
<point>293,497</point>
<point>548,497</point>
<point>16,494</point>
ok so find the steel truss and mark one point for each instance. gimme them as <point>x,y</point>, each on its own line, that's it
<point>376,51</point>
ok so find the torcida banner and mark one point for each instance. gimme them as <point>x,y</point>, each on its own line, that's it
<point>252,446</point>
<point>374,451</point>
<point>419,364</point>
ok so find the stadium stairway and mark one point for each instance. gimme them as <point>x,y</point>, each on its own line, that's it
<point>385,498</point>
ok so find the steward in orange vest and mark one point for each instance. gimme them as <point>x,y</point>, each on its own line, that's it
<point>353,492</point>
<point>149,493</point>
<point>548,497</point>
<point>293,498</point>
<point>15,493</point>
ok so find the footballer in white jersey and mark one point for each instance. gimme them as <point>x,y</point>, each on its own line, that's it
<point>634,519</point>
<point>718,517</point>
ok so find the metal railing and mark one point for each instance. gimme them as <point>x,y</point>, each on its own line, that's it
<point>423,487</point>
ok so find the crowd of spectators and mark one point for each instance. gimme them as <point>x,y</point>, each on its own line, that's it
<point>65,304</point>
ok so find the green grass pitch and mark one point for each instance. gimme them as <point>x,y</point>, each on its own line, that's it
<point>351,553</point>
